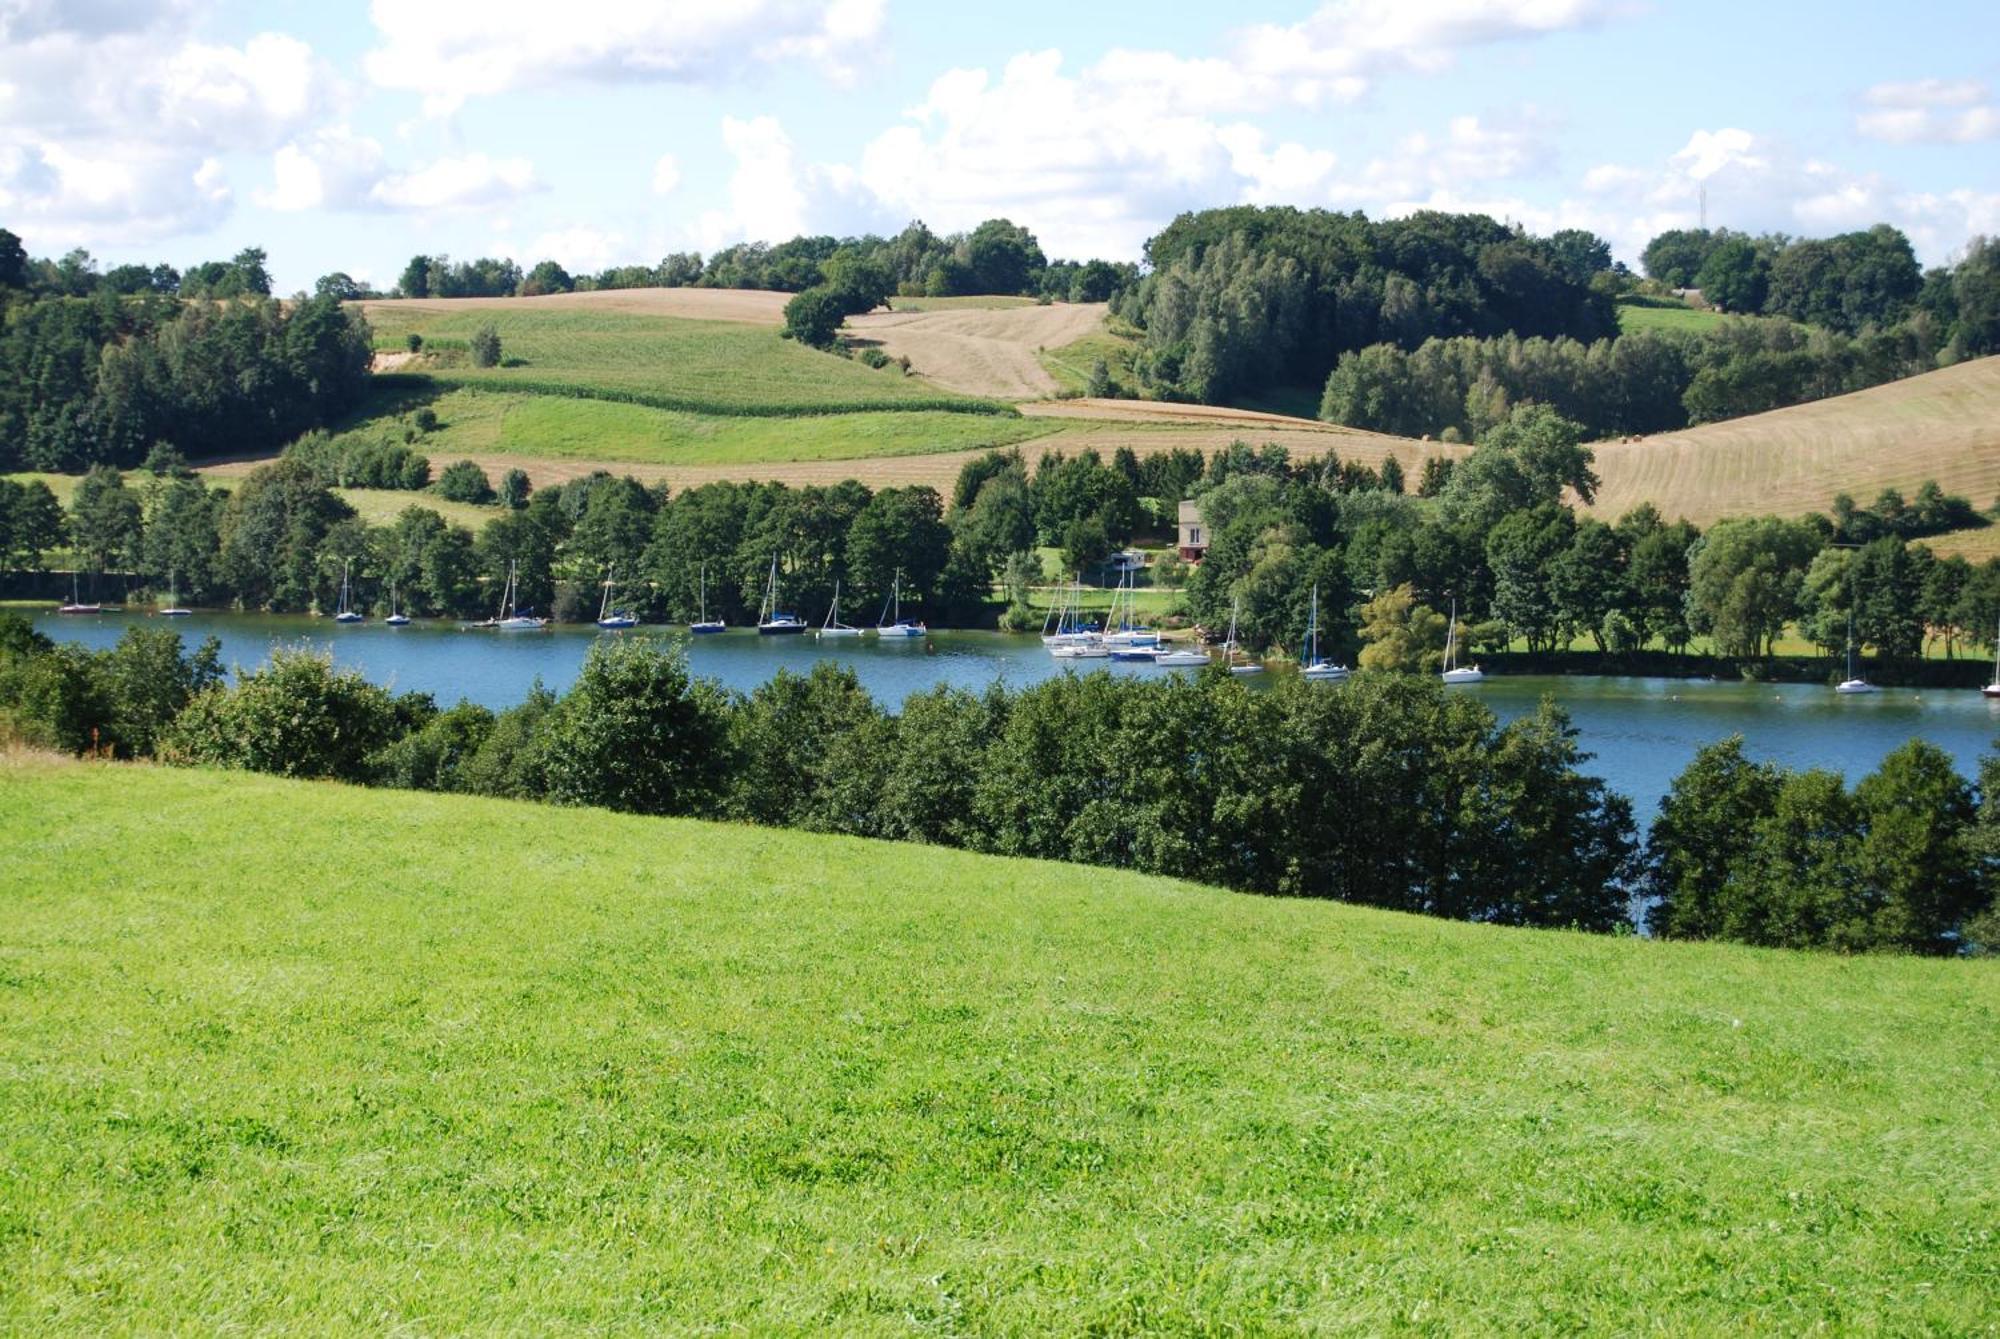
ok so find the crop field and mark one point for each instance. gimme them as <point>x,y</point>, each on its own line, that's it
<point>747,305</point>
<point>1644,313</point>
<point>296,1057</point>
<point>984,351</point>
<point>1943,425</point>
<point>720,366</point>
<point>974,302</point>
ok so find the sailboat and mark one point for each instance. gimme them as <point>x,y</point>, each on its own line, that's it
<point>833,627</point>
<point>771,620</point>
<point>1186,657</point>
<point>607,617</point>
<point>396,617</point>
<point>510,619</point>
<point>1853,683</point>
<point>173,609</point>
<point>1993,689</point>
<point>892,623</point>
<point>1230,649</point>
<point>76,604</point>
<point>1310,663</point>
<point>347,613</point>
<point>1453,671</point>
<point>1122,626</point>
<point>1070,630</point>
<point>705,625</point>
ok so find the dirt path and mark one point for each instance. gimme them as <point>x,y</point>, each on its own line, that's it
<point>981,351</point>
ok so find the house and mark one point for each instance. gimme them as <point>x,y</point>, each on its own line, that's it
<point>1194,538</point>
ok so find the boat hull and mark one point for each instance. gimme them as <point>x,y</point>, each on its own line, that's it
<point>1182,659</point>
<point>840,632</point>
<point>397,621</point>
<point>706,629</point>
<point>1463,676</point>
<point>780,629</point>
<point>901,631</point>
<point>617,622</point>
<point>347,618</point>
<point>175,613</point>
<point>1990,690</point>
<point>1855,687</point>
<point>1325,673</point>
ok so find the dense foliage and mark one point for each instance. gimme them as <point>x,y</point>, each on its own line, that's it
<point>91,373</point>
<point>1245,298</point>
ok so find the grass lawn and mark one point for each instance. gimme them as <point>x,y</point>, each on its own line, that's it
<point>480,421</point>
<point>299,1057</point>
<point>1649,313</point>
<point>381,506</point>
<point>724,362</point>
<point>1070,365</point>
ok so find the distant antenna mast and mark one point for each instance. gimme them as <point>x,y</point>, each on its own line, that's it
<point>1704,206</point>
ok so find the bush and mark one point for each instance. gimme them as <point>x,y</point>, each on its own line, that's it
<point>427,419</point>
<point>485,345</point>
<point>416,343</point>
<point>515,488</point>
<point>637,733</point>
<point>463,481</point>
<point>873,358</point>
<point>297,716</point>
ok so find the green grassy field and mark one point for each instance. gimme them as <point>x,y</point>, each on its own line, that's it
<point>724,363</point>
<point>298,1057</point>
<point>1070,365</point>
<point>477,420</point>
<point>1649,313</point>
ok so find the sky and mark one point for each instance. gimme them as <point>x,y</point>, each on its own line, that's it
<point>347,136</point>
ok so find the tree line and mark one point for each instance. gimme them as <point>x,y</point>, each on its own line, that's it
<point>106,377</point>
<point>1388,791</point>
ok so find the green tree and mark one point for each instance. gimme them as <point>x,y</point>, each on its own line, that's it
<point>295,716</point>
<point>1745,579</point>
<point>106,520</point>
<point>1398,633</point>
<point>1918,864</point>
<point>637,733</point>
<point>514,489</point>
<point>814,317</point>
<point>485,345</point>
<point>1700,844</point>
<point>464,481</point>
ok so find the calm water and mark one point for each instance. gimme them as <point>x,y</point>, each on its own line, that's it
<point>1642,731</point>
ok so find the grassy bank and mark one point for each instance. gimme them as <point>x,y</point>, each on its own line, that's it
<point>304,1057</point>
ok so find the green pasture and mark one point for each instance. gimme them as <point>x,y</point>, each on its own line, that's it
<point>296,1057</point>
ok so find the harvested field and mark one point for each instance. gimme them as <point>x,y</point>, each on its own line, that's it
<point>1162,411</point>
<point>1942,425</point>
<point>980,350</point>
<point>742,305</point>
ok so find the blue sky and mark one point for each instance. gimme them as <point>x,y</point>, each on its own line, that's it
<point>349,136</point>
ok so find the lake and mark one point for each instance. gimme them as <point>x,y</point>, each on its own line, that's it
<point>1642,731</point>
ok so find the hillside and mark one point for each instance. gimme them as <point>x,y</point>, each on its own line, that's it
<point>1943,425</point>
<point>418,1062</point>
<point>991,352</point>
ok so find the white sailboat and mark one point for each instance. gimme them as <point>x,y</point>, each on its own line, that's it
<point>705,626</point>
<point>397,618</point>
<point>1122,627</point>
<point>1853,684</point>
<point>1310,662</point>
<point>1070,631</point>
<point>1181,657</point>
<point>510,619</point>
<point>346,612</point>
<point>833,627</point>
<point>771,620</point>
<point>1230,650</point>
<point>892,624</point>
<point>1453,671</point>
<point>1993,689</point>
<point>76,604</point>
<point>173,609</point>
<point>607,617</point>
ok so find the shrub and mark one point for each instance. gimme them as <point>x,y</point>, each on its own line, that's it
<point>463,481</point>
<point>637,733</point>
<point>874,358</point>
<point>485,345</point>
<point>514,488</point>
<point>427,419</point>
<point>297,716</point>
<point>416,343</point>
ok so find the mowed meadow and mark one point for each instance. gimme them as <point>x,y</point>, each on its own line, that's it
<point>288,1056</point>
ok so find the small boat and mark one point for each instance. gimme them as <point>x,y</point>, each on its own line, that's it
<point>1183,658</point>
<point>1853,684</point>
<point>1230,649</point>
<point>1311,665</point>
<point>510,619</point>
<point>1080,651</point>
<point>607,617</point>
<point>892,624</point>
<point>396,617</point>
<point>833,627</point>
<point>1453,671</point>
<point>76,604</point>
<point>1993,689</point>
<point>705,626</point>
<point>771,620</point>
<point>346,612</point>
<point>1122,623</point>
<point>173,609</point>
<point>1149,653</point>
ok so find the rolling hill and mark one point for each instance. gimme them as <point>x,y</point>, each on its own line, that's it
<point>1943,425</point>
<point>411,1061</point>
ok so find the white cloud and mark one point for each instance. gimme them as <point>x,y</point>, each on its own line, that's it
<point>1929,111</point>
<point>666,174</point>
<point>581,249</point>
<point>113,119</point>
<point>453,50</point>
<point>768,190</point>
<point>466,182</point>
<point>331,169</point>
